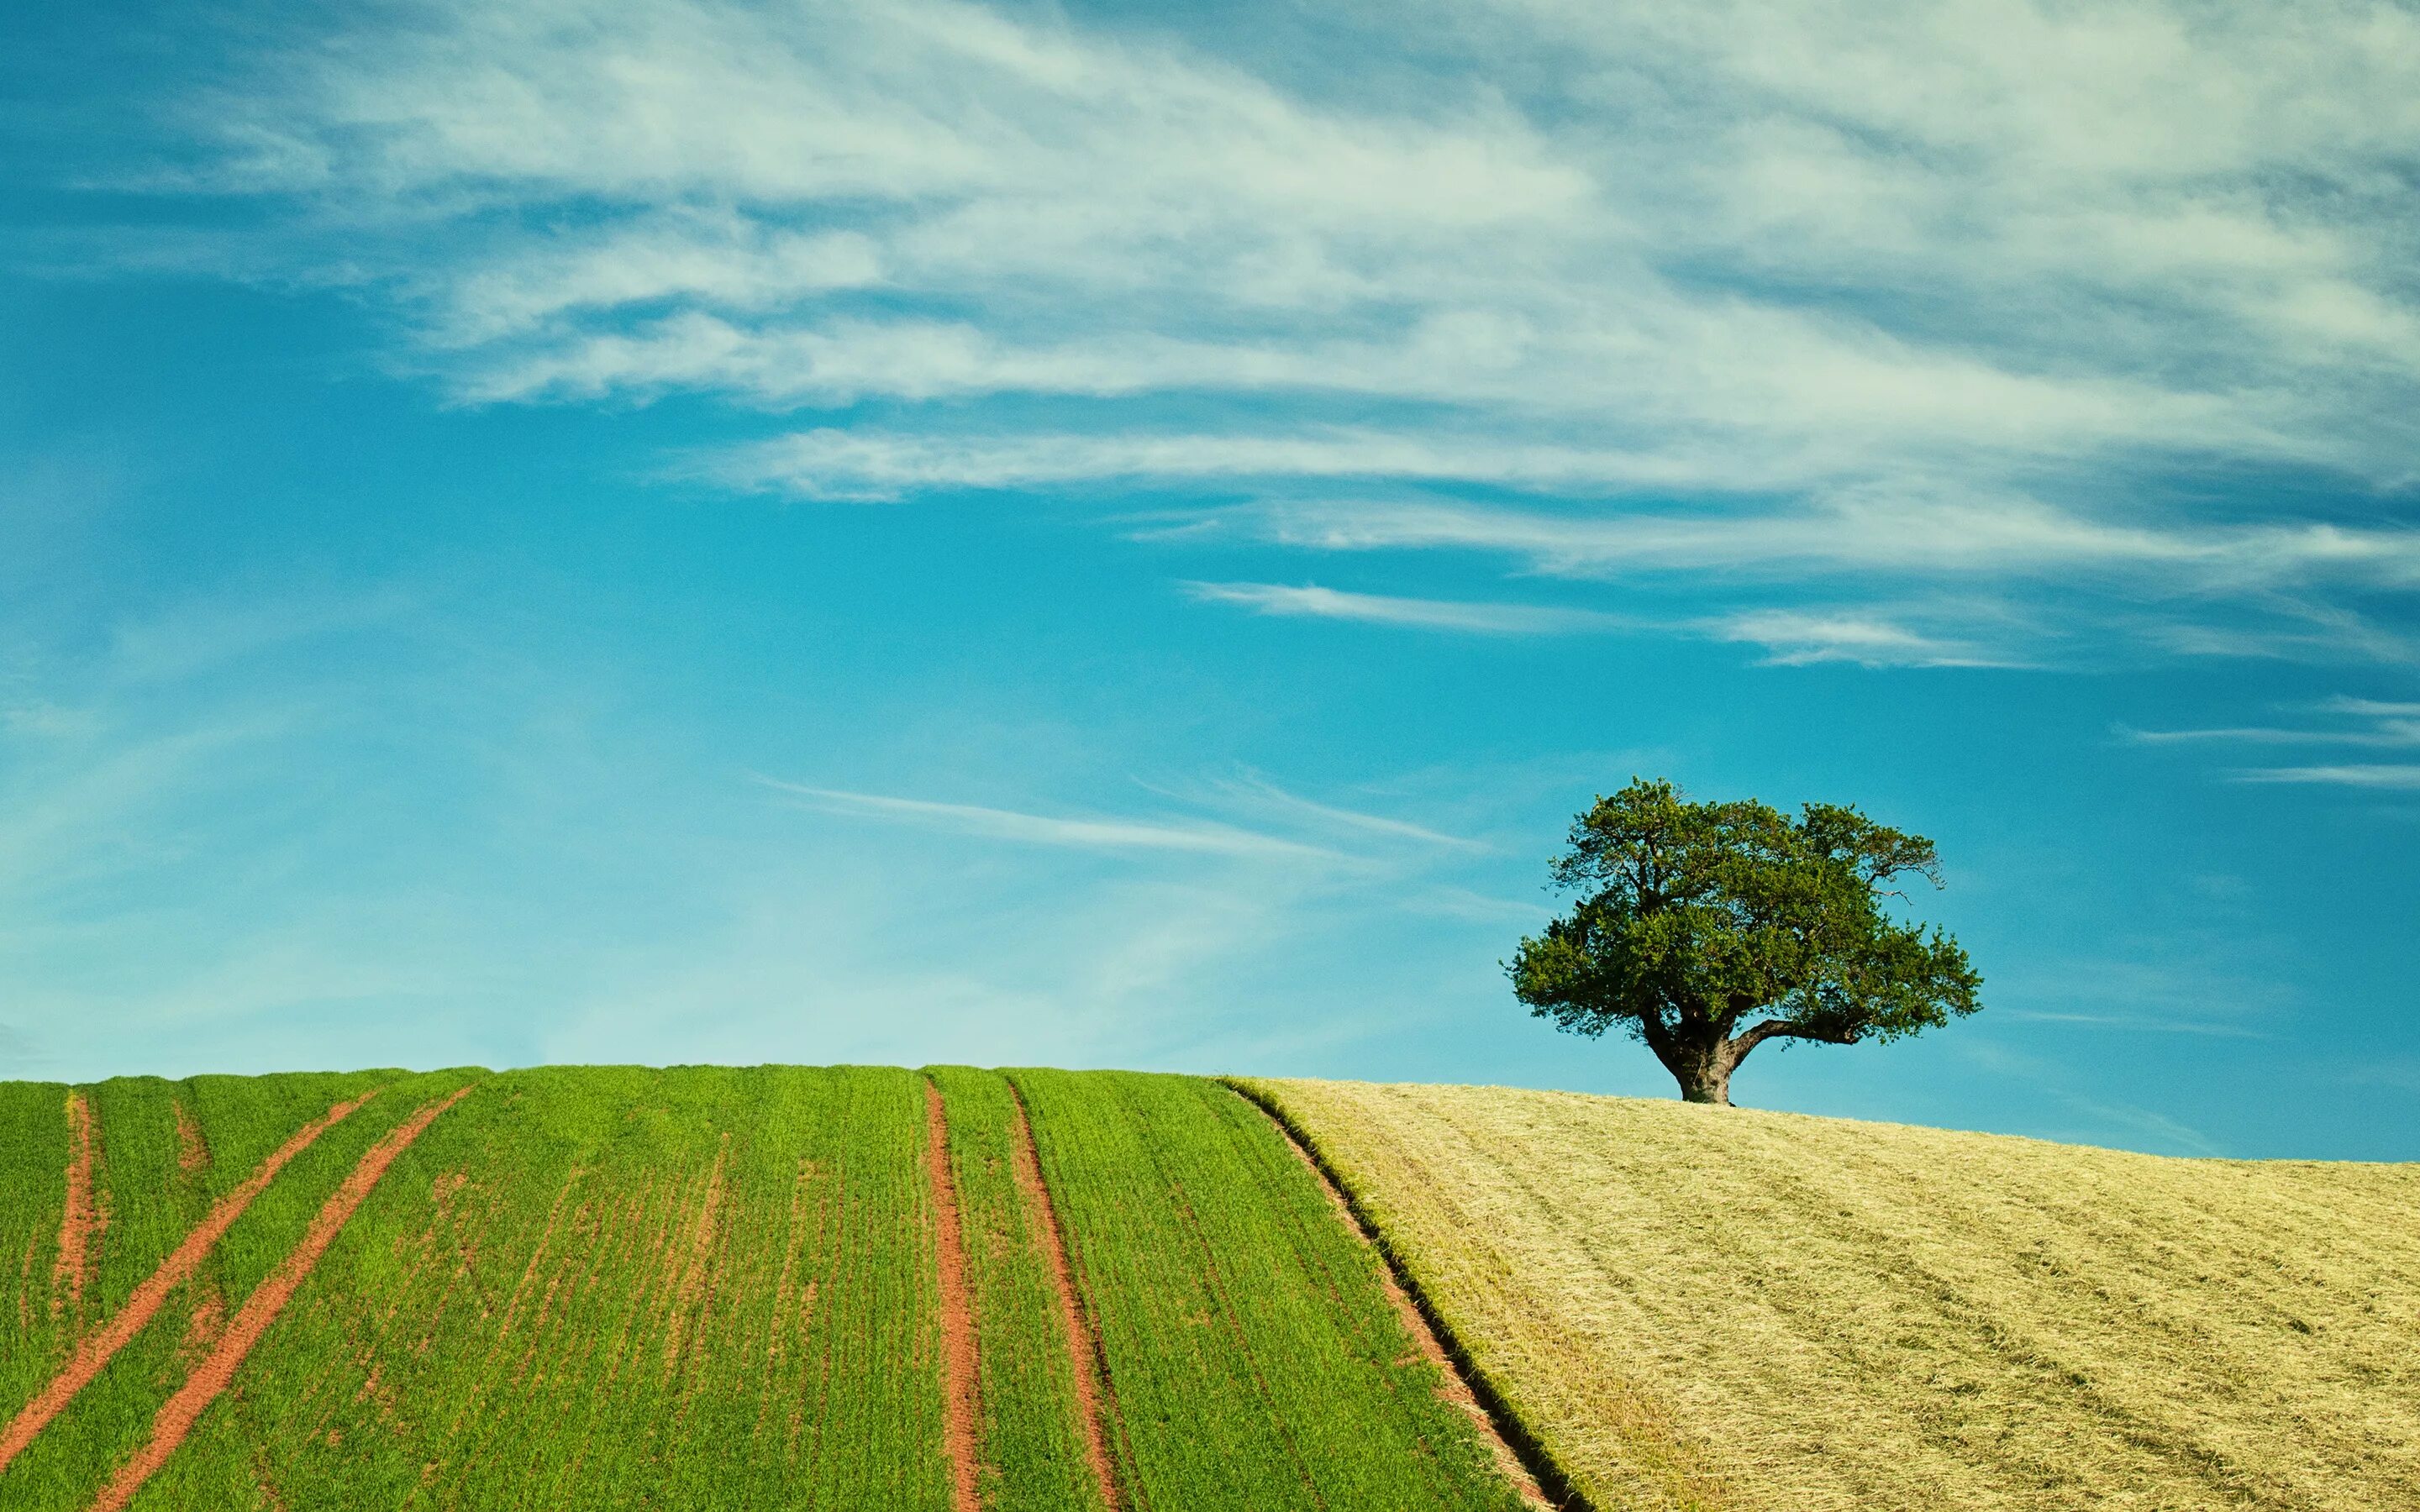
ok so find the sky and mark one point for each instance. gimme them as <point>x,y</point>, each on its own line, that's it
<point>1120,535</point>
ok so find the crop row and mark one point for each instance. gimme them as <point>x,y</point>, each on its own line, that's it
<point>163,1156</point>
<point>1252,1355</point>
<point>617,1288</point>
<point>621,1288</point>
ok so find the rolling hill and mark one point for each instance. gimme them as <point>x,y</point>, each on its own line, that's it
<point>1717,1307</point>
<point>699,1287</point>
<point>1052,1292</point>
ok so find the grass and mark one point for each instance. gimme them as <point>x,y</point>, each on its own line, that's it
<point>612,1287</point>
<point>1253,1358</point>
<point>1723,1308</point>
<point>151,1199</point>
<point>619,1287</point>
<point>33,1152</point>
<point>1032,1455</point>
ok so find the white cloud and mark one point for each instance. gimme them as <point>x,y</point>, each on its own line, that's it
<point>1254,794</point>
<point>2399,733</point>
<point>1093,834</point>
<point>1924,290</point>
<point>2371,708</point>
<point>1789,637</point>
<point>2370,775</point>
<point>2379,723</point>
<point>2359,722</point>
<point>852,464</point>
<point>1797,638</point>
<point>1872,530</point>
<point>1314,602</point>
<point>727,158</point>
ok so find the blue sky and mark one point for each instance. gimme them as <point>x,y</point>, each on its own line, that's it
<point>1120,535</point>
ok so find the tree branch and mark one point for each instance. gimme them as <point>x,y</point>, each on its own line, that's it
<point>1756,1034</point>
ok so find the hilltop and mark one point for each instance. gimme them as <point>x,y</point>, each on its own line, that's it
<point>1050,1291</point>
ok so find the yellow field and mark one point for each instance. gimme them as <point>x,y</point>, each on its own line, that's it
<point>1722,1308</point>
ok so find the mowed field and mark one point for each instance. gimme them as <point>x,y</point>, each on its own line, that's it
<point>700,1288</point>
<point>1721,1308</point>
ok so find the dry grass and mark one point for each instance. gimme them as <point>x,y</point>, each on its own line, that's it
<point>1724,1308</point>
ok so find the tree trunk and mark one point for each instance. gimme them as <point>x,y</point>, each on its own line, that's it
<point>1703,1070</point>
<point>1708,1081</point>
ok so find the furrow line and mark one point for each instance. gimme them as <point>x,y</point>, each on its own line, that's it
<point>192,1150</point>
<point>178,1415</point>
<point>80,1222</point>
<point>96,1350</point>
<point>957,1309</point>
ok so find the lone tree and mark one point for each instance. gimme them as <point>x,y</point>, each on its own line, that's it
<point>1693,917</point>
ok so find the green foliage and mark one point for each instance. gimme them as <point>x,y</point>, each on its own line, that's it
<point>1254,1360</point>
<point>1694,916</point>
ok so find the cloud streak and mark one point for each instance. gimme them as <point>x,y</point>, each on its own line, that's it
<point>1789,637</point>
<point>1089,834</point>
<point>1314,602</point>
<point>2378,724</point>
<point>2385,776</point>
<point>1925,293</point>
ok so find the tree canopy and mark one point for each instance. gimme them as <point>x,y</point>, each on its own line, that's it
<point>1692,918</point>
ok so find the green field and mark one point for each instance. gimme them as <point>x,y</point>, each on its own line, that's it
<point>704,1287</point>
<point>708,1288</point>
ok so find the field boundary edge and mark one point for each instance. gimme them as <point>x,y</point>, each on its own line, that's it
<point>1524,1447</point>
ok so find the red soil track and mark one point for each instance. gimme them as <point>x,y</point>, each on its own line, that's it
<point>81,1223</point>
<point>1089,1386</point>
<point>193,1151</point>
<point>179,1415</point>
<point>96,1350</point>
<point>958,1310</point>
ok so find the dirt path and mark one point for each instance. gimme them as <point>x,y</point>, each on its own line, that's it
<point>1090,1388</point>
<point>81,1223</point>
<point>95,1351</point>
<point>1452,1383</point>
<point>193,1151</point>
<point>179,1415</point>
<point>958,1311</point>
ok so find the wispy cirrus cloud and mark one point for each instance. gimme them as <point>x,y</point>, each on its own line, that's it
<point>1314,602</point>
<point>1921,293</point>
<point>1077,833</point>
<point>1243,816</point>
<point>2382,775</point>
<point>2375,723</point>
<point>1789,637</point>
<point>1798,638</point>
<point>1901,529</point>
<point>832,463</point>
<point>2398,732</point>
